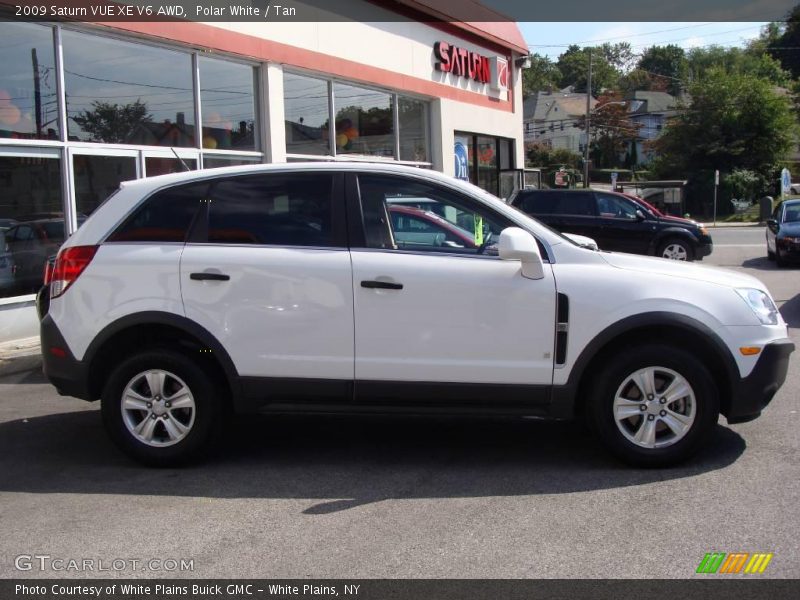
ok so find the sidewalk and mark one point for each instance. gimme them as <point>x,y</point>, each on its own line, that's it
<point>20,355</point>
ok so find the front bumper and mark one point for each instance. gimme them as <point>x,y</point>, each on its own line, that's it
<point>751,394</point>
<point>703,248</point>
<point>789,250</point>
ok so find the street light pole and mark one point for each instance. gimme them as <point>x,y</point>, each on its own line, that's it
<point>588,126</point>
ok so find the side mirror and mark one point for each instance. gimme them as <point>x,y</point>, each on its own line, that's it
<point>772,223</point>
<point>640,215</point>
<point>518,244</point>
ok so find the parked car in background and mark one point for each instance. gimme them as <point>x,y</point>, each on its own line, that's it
<point>30,243</point>
<point>616,223</point>
<point>783,233</point>
<point>289,288</point>
<point>6,267</point>
<point>6,224</point>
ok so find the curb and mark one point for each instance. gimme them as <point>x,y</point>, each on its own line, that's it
<point>20,356</point>
<point>20,364</point>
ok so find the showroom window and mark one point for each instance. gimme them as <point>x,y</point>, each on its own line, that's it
<point>28,94</point>
<point>123,93</point>
<point>128,109</point>
<point>31,218</point>
<point>366,121</point>
<point>490,163</point>
<point>307,115</point>
<point>227,98</point>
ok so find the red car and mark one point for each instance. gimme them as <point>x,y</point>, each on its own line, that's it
<point>417,227</point>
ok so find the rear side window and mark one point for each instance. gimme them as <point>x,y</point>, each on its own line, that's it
<point>164,217</point>
<point>287,209</point>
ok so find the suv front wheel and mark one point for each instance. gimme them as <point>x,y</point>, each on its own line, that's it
<point>653,405</point>
<point>676,249</point>
<point>159,407</point>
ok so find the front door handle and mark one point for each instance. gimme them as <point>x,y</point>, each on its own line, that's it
<point>381,285</point>
<point>209,277</point>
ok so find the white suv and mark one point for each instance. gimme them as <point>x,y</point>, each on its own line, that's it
<point>294,287</point>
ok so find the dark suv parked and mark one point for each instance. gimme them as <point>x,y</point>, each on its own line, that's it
<point>616,223</point>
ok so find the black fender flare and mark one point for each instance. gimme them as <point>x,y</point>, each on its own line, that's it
<point>672,232</point>
<point>173,320</point>
<point>564,401</point>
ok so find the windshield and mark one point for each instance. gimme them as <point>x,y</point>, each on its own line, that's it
<point>792,214</point>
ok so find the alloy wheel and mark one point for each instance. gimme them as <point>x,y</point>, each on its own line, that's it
<point>654,407</point>
<point>675,252</point>
<point>158,408</point>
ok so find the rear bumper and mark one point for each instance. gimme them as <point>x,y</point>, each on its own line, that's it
<point>65,372</point>
<point>753,393</point>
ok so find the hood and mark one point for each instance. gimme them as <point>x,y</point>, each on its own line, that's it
<point>678,220</point>
<point>792,229</point>
<point>680,269</point>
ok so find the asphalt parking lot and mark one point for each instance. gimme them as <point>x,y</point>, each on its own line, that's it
<point>372,498</point>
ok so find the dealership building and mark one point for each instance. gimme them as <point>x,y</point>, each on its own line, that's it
<point>84,106</point>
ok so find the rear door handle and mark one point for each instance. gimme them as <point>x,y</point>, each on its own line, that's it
<point>381,285</point>
<point>209,277</point>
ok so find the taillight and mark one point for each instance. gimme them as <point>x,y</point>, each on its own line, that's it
<point>70,263</point>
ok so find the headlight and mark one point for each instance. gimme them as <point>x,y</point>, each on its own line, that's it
<point>793,240</point>
<point>761,304</point>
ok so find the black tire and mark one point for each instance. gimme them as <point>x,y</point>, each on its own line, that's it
<point>687,247</point>
<point>208,408</point>
<point>770,254</point>
<point>609,379</point>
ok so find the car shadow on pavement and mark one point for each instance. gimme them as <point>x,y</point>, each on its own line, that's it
<point>762,263</point>
<point>343,462</point>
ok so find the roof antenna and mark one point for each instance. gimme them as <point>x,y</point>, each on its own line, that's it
<point>183,162</point>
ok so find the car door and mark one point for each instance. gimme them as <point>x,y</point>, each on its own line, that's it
<point>268,274</point>
<point>621,228</point>
<point>444,324</point>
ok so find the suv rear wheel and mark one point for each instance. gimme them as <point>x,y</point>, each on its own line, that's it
<point>159,407</point>
<point>676,249</point>
<point>653,405</point>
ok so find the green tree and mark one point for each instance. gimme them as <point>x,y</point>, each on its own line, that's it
<point>745,61</point>
<point>574,67</point>
<point>782,41</point>
<point>734,121</point>
<point>541,75</point>
<point>612,131</point>
<point>113,123</point>
<point>539,155</point>
<point>668,62</point>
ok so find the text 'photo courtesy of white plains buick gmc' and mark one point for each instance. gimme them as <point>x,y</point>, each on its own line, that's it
<point>372,288</point>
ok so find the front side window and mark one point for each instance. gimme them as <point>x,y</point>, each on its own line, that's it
<point>279,209</point>
<point>615,207</point>
<point>409,215</point>
<point>165,217</point>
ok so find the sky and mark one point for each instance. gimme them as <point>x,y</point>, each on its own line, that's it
<point>551,39</point>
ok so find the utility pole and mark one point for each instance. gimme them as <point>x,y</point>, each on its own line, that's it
<point>588,126</point>
<point>37,92</point>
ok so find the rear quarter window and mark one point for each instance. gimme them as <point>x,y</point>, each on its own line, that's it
<point>164,217</point>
